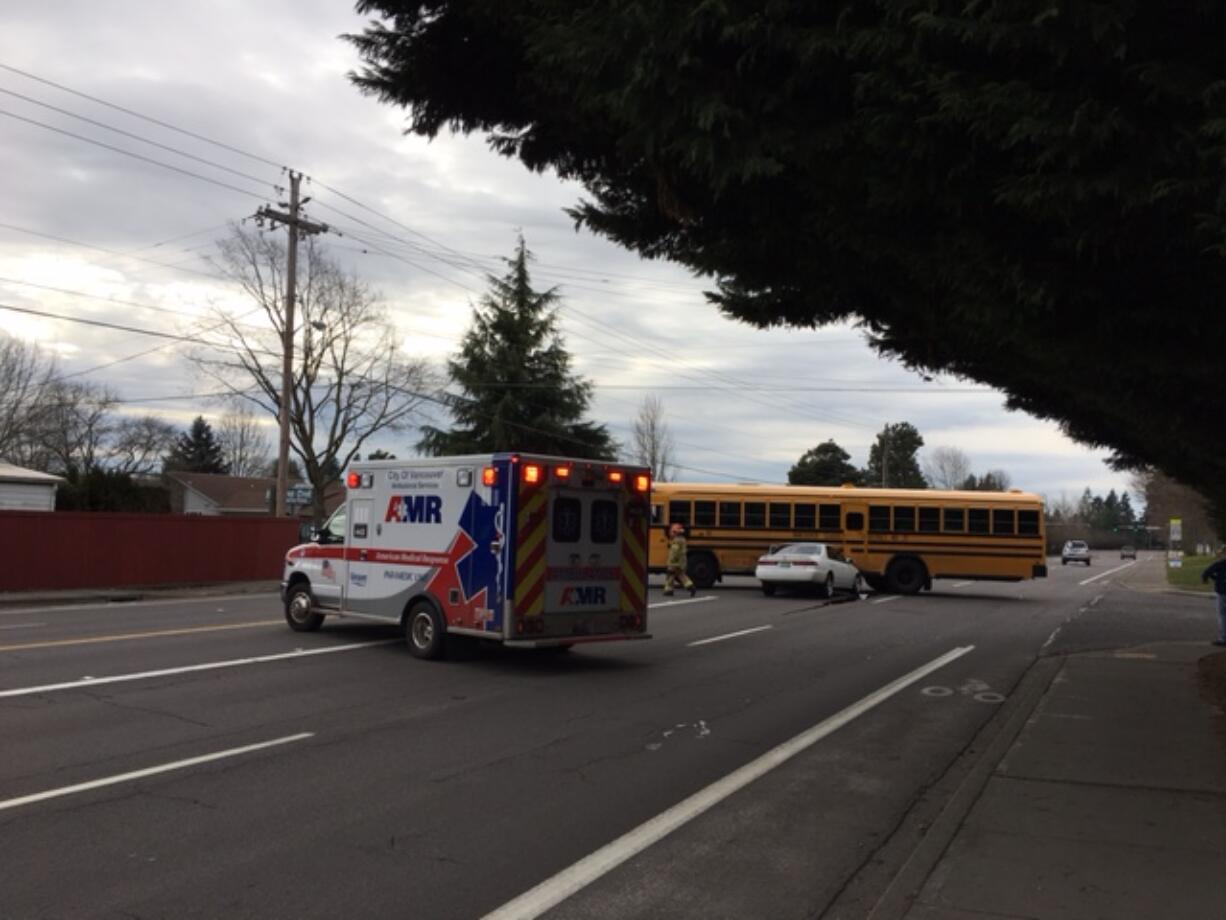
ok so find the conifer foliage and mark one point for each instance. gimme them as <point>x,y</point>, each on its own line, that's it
<point>1012,192</point>
<point>518,392</point>
<point>197,450</point>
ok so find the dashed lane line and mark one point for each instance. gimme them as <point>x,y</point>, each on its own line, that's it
<point>150,771</point>
<point>686,600</point>
<point>886,599</point>
<point>731,635</point>
<point>192,668</point>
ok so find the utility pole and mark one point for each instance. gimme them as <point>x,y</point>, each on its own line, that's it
<point>297,225</point>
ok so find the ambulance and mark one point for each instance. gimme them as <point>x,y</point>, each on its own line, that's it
<point>524,550</point>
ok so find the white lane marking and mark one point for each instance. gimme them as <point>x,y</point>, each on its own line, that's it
<point>188,669</point>
<point>961,584</point>
<point>886,599</point>
<point>688,600</point>
<point>553,891</point>
<point>1106,573</point>
<point>731,635</point>
<point>1097,598</point>
<point>126,605</point>
<point>149,771</point>
<point>23,626</point>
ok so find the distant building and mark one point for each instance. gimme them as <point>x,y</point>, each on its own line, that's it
<point>27,490</point>
<point>216,494</point>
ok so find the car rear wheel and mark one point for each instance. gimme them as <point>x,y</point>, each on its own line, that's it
<point>858,587</point>
<point>827,588</point>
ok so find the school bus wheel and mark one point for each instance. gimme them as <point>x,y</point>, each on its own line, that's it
<point>906,575</point>
<point>702,568</point>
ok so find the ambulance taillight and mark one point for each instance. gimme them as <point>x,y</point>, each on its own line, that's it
<point>532,473</point>
<point>489,476</point>
<point>353,480</point>
<point>615,476</point>
<point>642,483</point>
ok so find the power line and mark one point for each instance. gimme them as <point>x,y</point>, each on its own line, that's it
<point>136,137</point>
<point>102,324</point>
<point>135,156</point>
<point>134,114</point>
<point>114,252</point>
<point>113,300</point>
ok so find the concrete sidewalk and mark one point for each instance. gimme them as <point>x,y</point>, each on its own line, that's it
<point>1109,803</point>
<point>122,595</point>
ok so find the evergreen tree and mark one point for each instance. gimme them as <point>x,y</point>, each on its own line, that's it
<point>197,450</point>
<point>893,461</point>
<point>824,465</point>
<point>514,372</point>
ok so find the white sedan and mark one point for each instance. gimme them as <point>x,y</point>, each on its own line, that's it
<point>808,564</point>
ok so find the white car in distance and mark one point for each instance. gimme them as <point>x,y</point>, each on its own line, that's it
<point>802,565</point>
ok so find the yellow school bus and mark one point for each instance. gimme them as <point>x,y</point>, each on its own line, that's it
<point>900,539</point>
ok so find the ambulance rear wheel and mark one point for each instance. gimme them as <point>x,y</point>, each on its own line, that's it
<point>424,631</point>
<point>298,611</point>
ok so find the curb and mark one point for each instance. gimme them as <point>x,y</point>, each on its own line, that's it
<point>87,597</point>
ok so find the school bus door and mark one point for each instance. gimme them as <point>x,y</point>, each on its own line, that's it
<point>855,534</point>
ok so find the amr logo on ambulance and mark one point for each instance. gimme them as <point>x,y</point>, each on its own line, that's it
<point>415,509</point>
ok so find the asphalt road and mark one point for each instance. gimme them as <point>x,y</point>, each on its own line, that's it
<point>196,758</point>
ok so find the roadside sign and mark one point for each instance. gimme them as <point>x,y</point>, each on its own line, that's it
<point>300,494</point>
<point>1176,529</point>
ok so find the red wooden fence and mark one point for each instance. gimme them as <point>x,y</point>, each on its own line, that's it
<point>72,549</point>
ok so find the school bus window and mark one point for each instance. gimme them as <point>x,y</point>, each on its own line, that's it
<point>729,514</point>
<point>781,516</point>
<point>955,520</point>
<point>929,520</point>
<point>828,517</point>
<point>806,516</point>
<point>1028,522</point>
<point>656,512</point>
<point>878,517</point>
<point>567,520</point>
<point>604,521</point>
<point>755,514</point>
<point>904,519</point>
<point>977,520</point>
<point>1002,521</point>
<point>704,514</point>
<point>853,521</point>
<point>678,512</point>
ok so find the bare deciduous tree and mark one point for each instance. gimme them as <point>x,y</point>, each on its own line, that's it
<point>947,467</point>
<point>26,373</point>
<point>74,426</point>
<point>245,446</point>
<point>139,444</point>
<point>350,379</point>
<point>653,442</point>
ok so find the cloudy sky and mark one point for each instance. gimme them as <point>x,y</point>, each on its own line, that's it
<point>88,232</point>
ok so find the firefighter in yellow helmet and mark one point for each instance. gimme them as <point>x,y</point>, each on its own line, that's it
<point>675,574</point>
